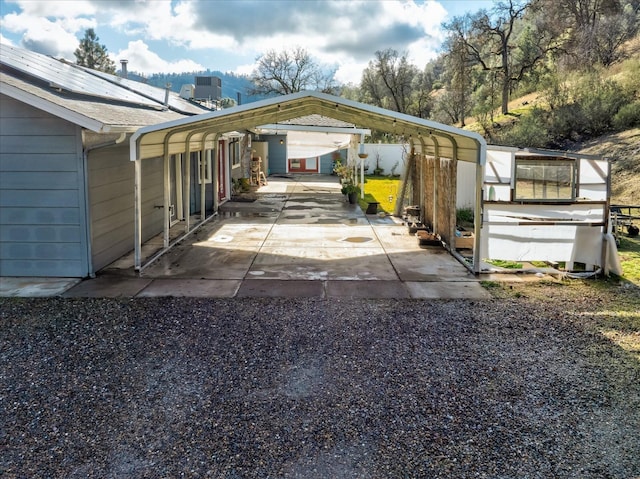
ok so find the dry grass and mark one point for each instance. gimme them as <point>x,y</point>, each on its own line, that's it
<point>607,308</point>
<point>624,150</point>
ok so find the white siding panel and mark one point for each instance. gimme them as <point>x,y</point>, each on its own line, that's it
<point>110,204</point>
<point>111,184</point>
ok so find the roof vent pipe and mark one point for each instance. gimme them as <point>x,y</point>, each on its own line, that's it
<point>123,68</point>
<point>167,89</point>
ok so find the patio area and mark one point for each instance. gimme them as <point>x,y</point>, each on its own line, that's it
<point>295,237</point>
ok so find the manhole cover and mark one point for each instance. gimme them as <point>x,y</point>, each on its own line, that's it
<point>357,239</point>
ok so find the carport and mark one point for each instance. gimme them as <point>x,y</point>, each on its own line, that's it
<point>436,150</point>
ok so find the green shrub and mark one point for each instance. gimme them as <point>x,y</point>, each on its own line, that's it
<point>529,132</point>
<point>599,102</point>
<point>464,215</point>
<point>627,117</point>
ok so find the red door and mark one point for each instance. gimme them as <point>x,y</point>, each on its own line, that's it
<point>222,171</point>
<point>304,165</point>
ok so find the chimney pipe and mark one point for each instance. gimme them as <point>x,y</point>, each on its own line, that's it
<point>123,70</point>
<point>167,89</point>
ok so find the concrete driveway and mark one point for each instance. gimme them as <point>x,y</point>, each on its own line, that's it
<point>299,238</point>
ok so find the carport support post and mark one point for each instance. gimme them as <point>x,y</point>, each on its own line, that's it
<point>137,200</point>
<point>186,189</point>
<point>215,185</point>
<point>436,175</point>
<point>166,198</point>
<point>477,215</point>
<point>361,165</point>
<point>204,160</point>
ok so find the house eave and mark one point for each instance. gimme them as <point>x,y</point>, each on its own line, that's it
<point>60,111</point>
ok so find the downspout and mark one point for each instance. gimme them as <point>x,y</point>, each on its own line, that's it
<point>134,152</point>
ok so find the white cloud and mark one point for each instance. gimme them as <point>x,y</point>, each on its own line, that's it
<point>143,60</point>
<point>49,27</point>
<point>57,8</point>
<point>6,41</point>
<point>56,38</point>
<point>342,35</point>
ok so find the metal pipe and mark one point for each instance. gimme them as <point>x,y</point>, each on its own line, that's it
<point>137,201</point>
<point>436,175</point>
<point>478,214</point>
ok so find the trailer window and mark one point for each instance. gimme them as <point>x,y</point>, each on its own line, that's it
<point>539,180</point>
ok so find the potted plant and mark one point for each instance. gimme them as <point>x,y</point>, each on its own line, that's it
<point>352,191</point>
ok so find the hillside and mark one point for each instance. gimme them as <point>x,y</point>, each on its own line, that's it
<point>624,150</point>
<point>232,84</point>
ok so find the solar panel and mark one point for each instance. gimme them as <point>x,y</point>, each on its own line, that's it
<point>149,91</point>
<point>67,77</point>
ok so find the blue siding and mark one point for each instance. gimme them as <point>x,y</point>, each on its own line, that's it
<point>277,154</point>
<point>42,202</point>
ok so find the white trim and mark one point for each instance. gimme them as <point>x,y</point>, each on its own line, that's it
<point>272,128</point>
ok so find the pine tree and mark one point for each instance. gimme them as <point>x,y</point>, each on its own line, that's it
<point>91,54</point>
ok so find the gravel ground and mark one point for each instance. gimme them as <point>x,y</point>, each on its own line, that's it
<point>514,387</point>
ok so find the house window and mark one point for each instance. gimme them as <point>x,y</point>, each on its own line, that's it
<point>207,167</point>
<point>234,152</point>
<point>540,180</point>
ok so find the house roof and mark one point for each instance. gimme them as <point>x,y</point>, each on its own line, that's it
<point>437,139</point>
<point>94,100</point>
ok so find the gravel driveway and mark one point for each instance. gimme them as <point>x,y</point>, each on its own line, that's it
<point>262,388</point>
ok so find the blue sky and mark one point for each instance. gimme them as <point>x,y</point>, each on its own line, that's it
<point>228,35</point>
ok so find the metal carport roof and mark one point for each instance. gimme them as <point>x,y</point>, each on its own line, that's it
<point>199,132</point>
<point>454,143</point>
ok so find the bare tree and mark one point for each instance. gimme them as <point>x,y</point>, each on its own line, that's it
<point>595,29</point>
<point>497,42</point>
<point>289,71</point>
<point>91,54</point>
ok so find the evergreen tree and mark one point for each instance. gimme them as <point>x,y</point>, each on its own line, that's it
<point>91,54</point>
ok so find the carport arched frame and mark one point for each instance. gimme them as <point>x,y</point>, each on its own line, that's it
<point>190,134</point>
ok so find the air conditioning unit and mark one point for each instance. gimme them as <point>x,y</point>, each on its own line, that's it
<point>187,91</point>
<point>208,88</point>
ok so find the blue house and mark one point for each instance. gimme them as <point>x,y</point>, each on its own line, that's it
<point>66,182</point>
